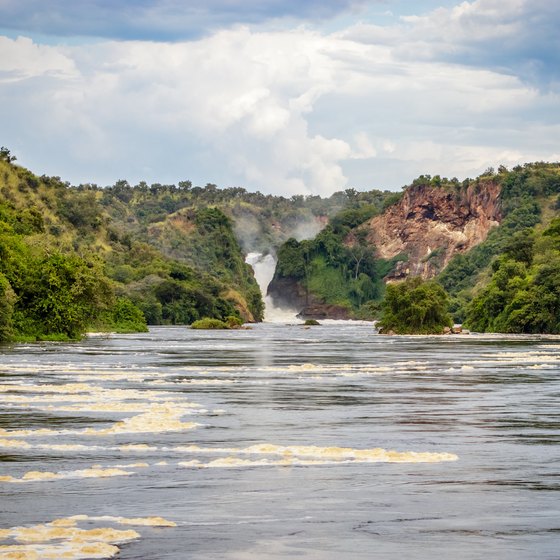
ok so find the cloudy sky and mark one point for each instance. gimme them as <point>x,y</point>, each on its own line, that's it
<point>281,96</point>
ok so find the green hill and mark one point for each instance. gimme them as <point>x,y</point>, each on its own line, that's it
<point>71,259</point>
<point>491,242</point>
<point>75,258</point>
<point>511,281</point>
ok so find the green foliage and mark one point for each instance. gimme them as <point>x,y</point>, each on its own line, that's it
<point>327,282</point>
<point>336,267</point>
<point>391,200</point>
<point>552,232</point>
<point>52,294</point>
<point>6,156</point>
<point>311,323</point>
<point>369,311</point>
<point>292,259</point>
<point>195,225</point>
<point>81,209</point>
<point>523,189</point>
<point>172,293</point>
<point>63,294</point>
<point>207,323</point>
<point>526,190</point>
<point>233,322</point>
<point>352,217</point>
<point>196,250</point>
<point>520,247</point>
<point>127,317</point>
<point>176,254</point>
<point>415,307</point>
<point>518,298</point>
<point>7,301</point>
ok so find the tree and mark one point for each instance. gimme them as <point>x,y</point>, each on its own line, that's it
<point>7,300</point>
<point>291,260</point>
<point>359,250</point>
<point>6,155</point>
<point>517,299</point>
<point>415,307</point>
<point>520,247</point>
<point>127,317</point>
<point>63,294</point>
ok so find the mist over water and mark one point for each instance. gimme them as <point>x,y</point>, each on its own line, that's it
<point>264,267</point>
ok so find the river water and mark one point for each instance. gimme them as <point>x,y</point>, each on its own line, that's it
<point>281,441</point>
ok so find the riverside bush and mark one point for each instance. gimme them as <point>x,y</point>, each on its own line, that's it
<point>208,323</point>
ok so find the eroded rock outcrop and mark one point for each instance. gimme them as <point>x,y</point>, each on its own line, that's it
<point>431,224</point>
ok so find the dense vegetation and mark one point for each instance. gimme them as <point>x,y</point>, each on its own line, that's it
<point>489,284</point>
<point>261,222</point>
<point>523,294</point>
<point>507,283</point>
<point>415,307</point>
<point>72,259</point>
<point>339,266</point>
<point>121,257</point>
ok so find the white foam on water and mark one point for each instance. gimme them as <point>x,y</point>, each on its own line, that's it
<point>160,418</point>
<point>312,455</point>
<point>14,443</point>
<point>62,539</point>
<point>157,413</point>
<point>93,472</point>
<point>528,357</point>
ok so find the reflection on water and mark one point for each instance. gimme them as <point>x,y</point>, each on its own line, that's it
<point>280,441</point>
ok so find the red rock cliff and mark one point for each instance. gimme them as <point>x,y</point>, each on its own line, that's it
<point>431,224</point>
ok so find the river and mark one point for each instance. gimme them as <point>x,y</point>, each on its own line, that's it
<point>281,441</point>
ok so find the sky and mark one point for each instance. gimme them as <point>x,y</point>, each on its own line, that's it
<point>281,96</point>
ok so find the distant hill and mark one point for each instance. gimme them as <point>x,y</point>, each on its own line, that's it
<point>75,258</point>
<point>460,233</point>
<point>79,258</point>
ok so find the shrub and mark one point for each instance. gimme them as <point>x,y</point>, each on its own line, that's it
<point>127,317</point>
<point>233,322</point>
<point>208,323</point>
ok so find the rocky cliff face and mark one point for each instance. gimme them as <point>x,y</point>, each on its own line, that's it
<point>431,224</point>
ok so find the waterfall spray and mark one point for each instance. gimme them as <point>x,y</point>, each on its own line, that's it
<point>263,267</point>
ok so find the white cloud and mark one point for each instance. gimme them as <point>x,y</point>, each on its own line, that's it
<point>519,37</point>
<point>286,112</point>
<point>22,59</point>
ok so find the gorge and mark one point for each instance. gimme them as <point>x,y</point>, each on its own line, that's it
<point>167,254</point>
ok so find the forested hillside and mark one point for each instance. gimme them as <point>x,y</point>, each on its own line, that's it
<point>511,281</point>
<point>337,274</point>
<point>75,258</point>
<point>71,259</point>
<point>261,222</point>
<point>491,242</point>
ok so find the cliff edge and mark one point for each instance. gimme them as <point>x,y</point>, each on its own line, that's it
<point>430,224</point>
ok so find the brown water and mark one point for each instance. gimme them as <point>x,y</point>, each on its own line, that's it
<point>280,442</point>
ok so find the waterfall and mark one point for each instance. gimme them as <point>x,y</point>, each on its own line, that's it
<point>263,267</point>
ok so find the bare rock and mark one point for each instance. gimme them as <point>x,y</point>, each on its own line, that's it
<point>431,224</point>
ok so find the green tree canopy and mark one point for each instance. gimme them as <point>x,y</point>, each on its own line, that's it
<point>7,300</point>
<point>415,307</point>
<point>63,295</point>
